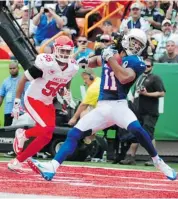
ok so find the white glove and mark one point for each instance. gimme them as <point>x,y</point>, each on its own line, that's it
<point>108,53</point>
<point>16,109</point>
<point>67,96</point>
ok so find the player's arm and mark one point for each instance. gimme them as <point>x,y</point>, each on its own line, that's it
<point>29,75</point>
<point>124,75</point>
<point>1,100</point>
<point>159,90</point>
<point>2,93</point>
<point>94,62</point>
<point>82,107</point>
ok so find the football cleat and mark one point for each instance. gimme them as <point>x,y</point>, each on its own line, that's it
<point>164,168</point>
<point>19,141</point>
<point>32,164</point>
<point>46,169</point>
<point>15,165</point>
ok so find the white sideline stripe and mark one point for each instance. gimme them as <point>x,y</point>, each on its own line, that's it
<point>33,112</point>
<point>30,196</point>
<point>33,196</point>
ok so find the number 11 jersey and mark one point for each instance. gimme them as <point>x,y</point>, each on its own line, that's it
<point>111,88</point>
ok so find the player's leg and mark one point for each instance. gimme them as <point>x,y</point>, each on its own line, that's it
<point>93,121</point>
<point>130,122</point>
<point>45,116</point>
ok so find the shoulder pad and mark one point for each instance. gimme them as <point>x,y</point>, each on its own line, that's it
<point>43,60</point>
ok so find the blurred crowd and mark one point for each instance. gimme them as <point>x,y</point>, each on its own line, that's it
<point>41,20</point>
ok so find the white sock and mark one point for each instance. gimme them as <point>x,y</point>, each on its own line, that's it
<point>156,158</point>
<point>55,164</point>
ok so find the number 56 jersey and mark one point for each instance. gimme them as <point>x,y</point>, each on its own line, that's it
<point>111,88</point>
<point>47,77</point>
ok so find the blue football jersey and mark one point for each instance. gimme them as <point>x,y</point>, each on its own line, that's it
<point>111,88</point>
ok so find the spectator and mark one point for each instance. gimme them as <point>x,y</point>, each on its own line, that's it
<point>81,51</point>
<point>107,28</point>
<point>172,12</point>
<point>162,38</point>
<point>90,100</point>
<point>48,24</point>
<point>23,22</point>
<point>67,11</point>
<point>16,8</point>
<point>148,89</point>
<point>7,92</point>
<point>170,55</point>
<point>152,14</point>
<point>102,41</point>
<point>135,20</point>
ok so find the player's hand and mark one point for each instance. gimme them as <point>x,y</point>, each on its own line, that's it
<point>51,11</point>
<point>82,62</point>
<point>108,53</point>
<point>143,92</point>
<point>16,109</point>
<point>67,96</point>
<point>72,121</point>
<point>41,11</point>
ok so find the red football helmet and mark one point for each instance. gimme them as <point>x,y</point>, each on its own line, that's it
<point>63,47</point>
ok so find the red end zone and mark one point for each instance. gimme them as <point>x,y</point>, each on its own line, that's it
<point>85,182</point>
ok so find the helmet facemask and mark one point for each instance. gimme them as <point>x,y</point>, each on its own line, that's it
<point>134,42</point>
<point>135,46</point>
<point>63,53</point>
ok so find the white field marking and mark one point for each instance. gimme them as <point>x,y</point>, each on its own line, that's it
<point>35,181</point>
<point>121,187</point>
<point>82,181</point>
<point>105,176</point>
<point>112,176</point>
<point>32,196</point>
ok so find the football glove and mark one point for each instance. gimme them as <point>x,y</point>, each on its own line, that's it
<point>108,53</point>
<point>16,109</point>
<point>67,96</point>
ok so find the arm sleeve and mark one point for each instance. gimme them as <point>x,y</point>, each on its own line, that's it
<point>33,73</point>
<point>137,66</point>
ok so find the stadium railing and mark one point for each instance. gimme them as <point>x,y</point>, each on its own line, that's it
<point>106,15</point>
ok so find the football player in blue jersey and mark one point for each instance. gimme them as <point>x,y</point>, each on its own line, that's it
<point>119,72</point>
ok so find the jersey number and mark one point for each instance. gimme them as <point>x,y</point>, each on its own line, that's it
<point>109,77</point>
<point>52,88</point>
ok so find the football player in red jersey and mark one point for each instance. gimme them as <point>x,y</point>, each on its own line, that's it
<point>50,73</point>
